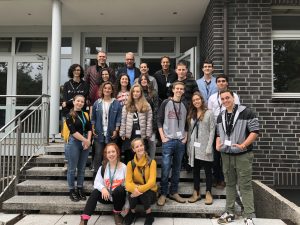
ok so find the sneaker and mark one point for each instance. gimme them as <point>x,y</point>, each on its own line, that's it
<point>226,218</point>
<point>81,194</point>
<point>74,196</point>
<point>129,218</point>
<point>161,200</point>
<point>248,221</point>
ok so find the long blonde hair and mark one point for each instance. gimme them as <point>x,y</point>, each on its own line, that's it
<point>141,105</point>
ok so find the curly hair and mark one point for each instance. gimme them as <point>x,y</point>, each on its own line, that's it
<point>72,68</point>
<point>118,84</point>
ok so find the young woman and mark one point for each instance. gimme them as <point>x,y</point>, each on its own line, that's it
<point>75,86</point>
<point>108,185</point>
<point>200,150</point>
<point>140,182</point>
<point>123,88</point>
<point>106,121</point>
<point>136,120</point>
<point>78,147</point>
<point>95,92</point>
<point>152,98</point>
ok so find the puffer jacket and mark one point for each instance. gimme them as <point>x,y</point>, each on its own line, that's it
<point>145,122</point>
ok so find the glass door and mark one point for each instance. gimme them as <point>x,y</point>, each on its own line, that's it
<point>5,84</point>
<point>190,56</point>
<point>29,78</point>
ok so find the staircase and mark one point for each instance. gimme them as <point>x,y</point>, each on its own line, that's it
<point>44,189</point>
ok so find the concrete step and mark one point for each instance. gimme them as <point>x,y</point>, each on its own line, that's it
<point>61,172</point>
<point>52,159</point>
<point>35,219</point>
<point>62,204</point>
<point>6,219</point>
<point>61,186</point>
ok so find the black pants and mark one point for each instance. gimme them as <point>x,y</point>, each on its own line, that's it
<point>118,195</point>
<point>198,164</point>
<point>146,199</point>
<point>217,165</point>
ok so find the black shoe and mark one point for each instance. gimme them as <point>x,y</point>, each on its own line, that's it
<point>149,219</point>
<point>74,196</point>
<point>129,218</point>
<point>81,194</point>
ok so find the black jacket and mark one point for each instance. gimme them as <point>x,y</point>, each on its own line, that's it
<point>162,81</point>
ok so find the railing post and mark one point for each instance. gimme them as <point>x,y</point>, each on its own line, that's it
<point>18,154</point>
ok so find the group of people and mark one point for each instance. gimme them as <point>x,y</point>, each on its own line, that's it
<point>201,124</point>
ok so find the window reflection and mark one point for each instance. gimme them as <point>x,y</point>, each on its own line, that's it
<point>3,83</point>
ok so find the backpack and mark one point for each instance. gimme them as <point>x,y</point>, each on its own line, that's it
<point>65,132</point>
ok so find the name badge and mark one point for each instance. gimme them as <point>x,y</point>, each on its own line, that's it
<point>104,128</point>
<point>197,144</point>
<point>178,134</point>
<point>168,84</point>
<point>152,137</point>
<point>138,132</point>
<point>227,142</point>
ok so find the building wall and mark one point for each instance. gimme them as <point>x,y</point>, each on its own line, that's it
<point>277,155</point>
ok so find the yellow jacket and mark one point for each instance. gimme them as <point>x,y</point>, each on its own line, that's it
<point>135,178</point>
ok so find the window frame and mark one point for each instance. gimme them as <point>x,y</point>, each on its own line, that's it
<point>283,35</point>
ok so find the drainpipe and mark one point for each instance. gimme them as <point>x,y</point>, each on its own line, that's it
<point>55,67</point>
<point>225,39</point>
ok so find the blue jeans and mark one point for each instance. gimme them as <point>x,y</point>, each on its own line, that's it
<point>77,158</point>
<point>172,153</point>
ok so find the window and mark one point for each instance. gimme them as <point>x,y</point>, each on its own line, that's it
<point>92,45</point>
<point>286,66</point>
<point>66,46</point>
<point>159,44</point>
<point>5,44</point>
<point>122,44</point>
<point>25,45</point>
<point>187,43</point>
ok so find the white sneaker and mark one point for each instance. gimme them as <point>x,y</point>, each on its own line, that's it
<point>248,221</point>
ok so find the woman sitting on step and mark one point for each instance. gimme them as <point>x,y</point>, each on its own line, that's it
<point>78,146</point>
<point>200,151</point>
<point>140,182</point>
<point>108,185</point>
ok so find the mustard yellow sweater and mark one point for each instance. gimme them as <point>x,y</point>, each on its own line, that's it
<point>135,178</point>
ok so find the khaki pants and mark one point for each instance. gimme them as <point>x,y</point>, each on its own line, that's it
<point>238,170</point>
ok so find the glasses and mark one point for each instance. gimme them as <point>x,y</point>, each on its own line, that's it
<point>78,70</point>
<point>221,81</point>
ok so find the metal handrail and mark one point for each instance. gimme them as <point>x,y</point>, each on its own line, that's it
<point>25,110</point>
<point>26,136</point>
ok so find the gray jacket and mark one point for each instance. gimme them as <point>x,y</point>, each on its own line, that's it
<point>206,133</point>
<point>245,122</point>
<point>145,122</point>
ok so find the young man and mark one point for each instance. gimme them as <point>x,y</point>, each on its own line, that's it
<point>190,85</point>
<point>215,104</point>
<point>130,68</point>
<point>207,84</point>
<point>172,127</point>
<point>237,129</point>
<point>164,77</point>
<point>93,73</point>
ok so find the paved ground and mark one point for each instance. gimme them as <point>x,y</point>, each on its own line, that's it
<point>39,219</point>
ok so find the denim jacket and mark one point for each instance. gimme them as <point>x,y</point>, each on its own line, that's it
<point>114,119</point>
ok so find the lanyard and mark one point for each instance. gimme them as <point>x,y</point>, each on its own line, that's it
<point>229,121</point>
<point>196,124</point>
<point>177,113</point>
<point>207,84</point>
<point>75,89</point>
<point>83,121</point>
<point>219,103</point>
<point>111,178</point>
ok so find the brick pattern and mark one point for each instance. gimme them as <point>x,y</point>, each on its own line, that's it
<point>286,2</point>
<point>250,70</point>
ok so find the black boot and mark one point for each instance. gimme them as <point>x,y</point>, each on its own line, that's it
<point>74,196</point>
<point>81,194</point>
<point>129,218</point>
<point>149,219</point>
